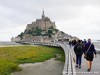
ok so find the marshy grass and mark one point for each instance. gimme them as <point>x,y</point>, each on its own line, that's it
<point>11,57</point>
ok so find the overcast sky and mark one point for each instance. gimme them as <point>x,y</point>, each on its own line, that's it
<point>79,18</point>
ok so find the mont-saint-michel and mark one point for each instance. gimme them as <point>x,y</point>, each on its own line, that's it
<point>42,30</point>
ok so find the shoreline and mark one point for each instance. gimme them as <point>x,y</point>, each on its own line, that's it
<point>10,45</point>
<point>16,45</point>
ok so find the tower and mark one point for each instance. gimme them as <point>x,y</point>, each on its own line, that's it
<point>43,15</point>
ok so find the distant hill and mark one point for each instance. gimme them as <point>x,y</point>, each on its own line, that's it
<point>41,30</point>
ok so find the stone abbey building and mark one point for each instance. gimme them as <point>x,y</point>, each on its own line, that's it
<point>41,30</point>
<point>44,23</point>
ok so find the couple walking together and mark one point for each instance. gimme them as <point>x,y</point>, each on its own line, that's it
<point>87,49</point>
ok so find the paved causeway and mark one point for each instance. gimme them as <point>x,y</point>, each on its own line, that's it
<point>95,66</point>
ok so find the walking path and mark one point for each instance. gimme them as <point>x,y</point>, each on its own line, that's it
<point>95,67</point>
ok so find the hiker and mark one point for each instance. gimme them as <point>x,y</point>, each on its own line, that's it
<point>84,42</point>
<point>78,49</point>
<point>90,52</point>
<point>70,44</point>
<point>74,42</point>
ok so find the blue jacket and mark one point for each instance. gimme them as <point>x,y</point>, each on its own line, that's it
<point>91,49</point>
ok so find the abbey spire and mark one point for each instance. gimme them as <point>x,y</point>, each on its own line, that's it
<point>43,15</point>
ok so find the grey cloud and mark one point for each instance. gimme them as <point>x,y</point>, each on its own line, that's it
<point>72,16</point>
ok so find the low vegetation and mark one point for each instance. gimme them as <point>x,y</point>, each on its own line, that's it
<point>11,57</point>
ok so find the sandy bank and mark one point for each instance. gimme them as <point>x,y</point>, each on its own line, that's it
<point>49,67</point>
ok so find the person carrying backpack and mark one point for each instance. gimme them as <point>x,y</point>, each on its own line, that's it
<point>78,49</point>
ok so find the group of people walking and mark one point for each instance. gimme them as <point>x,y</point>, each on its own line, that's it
<point>87,49</point>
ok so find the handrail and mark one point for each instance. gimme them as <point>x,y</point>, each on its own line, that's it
<point>69,68</point>
<point>73,64</point>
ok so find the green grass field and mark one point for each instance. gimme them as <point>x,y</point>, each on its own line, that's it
<point>11,57</point>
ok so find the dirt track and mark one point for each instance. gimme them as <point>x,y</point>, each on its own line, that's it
<point>49,67</point>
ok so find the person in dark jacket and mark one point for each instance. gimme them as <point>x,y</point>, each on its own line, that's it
<point>84,42</point>
<point>90,53</point>
<point>78,49</point>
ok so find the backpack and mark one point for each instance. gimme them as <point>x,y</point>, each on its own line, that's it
<point>79,49</point>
